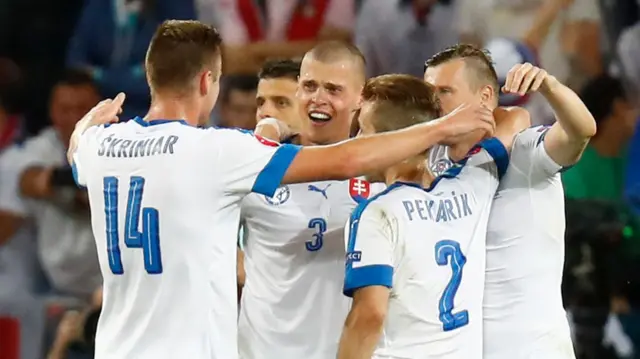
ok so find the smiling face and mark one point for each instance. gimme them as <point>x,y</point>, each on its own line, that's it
<point>328,92</point>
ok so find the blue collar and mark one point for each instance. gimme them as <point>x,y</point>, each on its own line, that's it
<point>139,120</point>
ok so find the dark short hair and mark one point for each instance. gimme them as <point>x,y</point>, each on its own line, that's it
<point>76,77</point>
<point>178,51</point>
<point>242,83</point>
<point>280,68</point>
<point>400,101</point>
<point>476,59</point>
<point>599,95</point>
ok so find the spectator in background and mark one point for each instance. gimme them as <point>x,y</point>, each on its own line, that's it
<point>396,35</point>
<point>570,51</point>
<point>256,30</point>
<point>19,268</point>
<point>276,96</point>
<point>47,194</point>
<point>600,172</point>
<point>110,41</point>
<point>238,102</point>
<point>10,83</point>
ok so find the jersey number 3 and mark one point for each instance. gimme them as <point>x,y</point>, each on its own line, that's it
<point>148,239</point>
<point>448,253</point>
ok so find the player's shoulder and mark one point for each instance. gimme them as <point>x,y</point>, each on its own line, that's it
<point>387,201</point>
<point>531,137</point>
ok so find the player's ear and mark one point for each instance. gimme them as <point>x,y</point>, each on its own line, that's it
<point>487,94</point>
<point>205,81</point>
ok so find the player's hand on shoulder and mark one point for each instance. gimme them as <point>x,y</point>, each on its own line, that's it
<point>465,120</point>
<point>106,111</point>
<point>525,78</point>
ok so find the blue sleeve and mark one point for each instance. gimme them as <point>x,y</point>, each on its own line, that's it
<point>74,170</point>
<point>367,272</point>
<point>270,178</point>
<point>498,152</point>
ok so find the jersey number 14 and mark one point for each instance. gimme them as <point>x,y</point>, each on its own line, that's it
<point>148,239</point>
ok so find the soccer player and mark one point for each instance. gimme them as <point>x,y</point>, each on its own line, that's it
<point>523,311</point>
<point>165,196</point>
<point>277,86</point>
<point>292,304</point>
<point>416,252</point>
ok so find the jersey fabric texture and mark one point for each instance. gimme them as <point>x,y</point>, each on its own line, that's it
<point>165,203</point>
<point>428,246</point>
<point>292,304</point>
<point>524,315</point>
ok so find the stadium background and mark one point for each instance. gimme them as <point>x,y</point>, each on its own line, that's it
<point>592,45</point>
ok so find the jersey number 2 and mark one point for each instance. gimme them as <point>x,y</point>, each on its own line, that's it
<point>148,239</point>
<point>448,253</point>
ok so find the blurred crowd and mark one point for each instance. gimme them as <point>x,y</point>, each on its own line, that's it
<point>59,58</point>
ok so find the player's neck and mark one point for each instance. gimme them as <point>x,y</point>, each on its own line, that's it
<point>411,171</point>
<point>172,108</point>
<point>305,140</point>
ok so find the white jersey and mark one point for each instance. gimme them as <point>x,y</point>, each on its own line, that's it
<point>165,205</point>
<point>428,246</point>
<point>523,312</point>
<point>292,305</point>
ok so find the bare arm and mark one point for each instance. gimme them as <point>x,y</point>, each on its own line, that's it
<point>361,155</point>
<point>545,17</point>
<point>35,182</point>
<point>364,323</point>
<point>9,224</point>
<point>104,112</point>
<point>568,137</point>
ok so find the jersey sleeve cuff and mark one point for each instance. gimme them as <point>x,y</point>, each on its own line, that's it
<point>76,174</point>
<point>498,152</point>
<point>270,177</point>
<point>550,166</point>
<point>367,276</point>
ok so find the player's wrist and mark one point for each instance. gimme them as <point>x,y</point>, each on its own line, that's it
<point>549,85</point>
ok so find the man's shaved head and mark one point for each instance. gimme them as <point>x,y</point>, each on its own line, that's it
<point>331,77</point>
<point>336,51</point>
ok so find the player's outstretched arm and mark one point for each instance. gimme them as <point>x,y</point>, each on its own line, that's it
<point>104,112</point>
<point>362,155</point>
<point>568,137</point>
<point>364,323</point>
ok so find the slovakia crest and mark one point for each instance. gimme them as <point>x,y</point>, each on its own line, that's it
<point>281,196</point>
<point>359,189</point>
<point>266,142</point>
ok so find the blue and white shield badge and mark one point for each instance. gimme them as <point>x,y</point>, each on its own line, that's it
<point>281,196</point>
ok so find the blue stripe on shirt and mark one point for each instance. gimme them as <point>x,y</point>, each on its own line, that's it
<point>270,178</point>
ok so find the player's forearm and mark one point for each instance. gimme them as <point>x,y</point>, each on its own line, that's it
<point>81,126</point>
<point>362,155</point>
<point>570,111</point>
<point>575,125</point>
<point>360,336</point>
